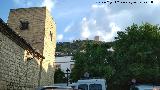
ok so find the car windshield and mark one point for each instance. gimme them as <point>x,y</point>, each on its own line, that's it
<point>95,87</point>
<point>83,87</point>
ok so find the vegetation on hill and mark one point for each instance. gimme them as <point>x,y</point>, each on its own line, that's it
<point>70,48</point>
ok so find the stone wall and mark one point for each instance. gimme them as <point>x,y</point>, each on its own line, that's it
<point>34,35</point>
<point>49,50</point>
<point>16,72</point>
<point>41,34</point>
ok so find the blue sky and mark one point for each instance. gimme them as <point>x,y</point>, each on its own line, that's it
<point>81,19</point>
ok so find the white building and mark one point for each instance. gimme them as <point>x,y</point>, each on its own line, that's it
<point>64,62</point>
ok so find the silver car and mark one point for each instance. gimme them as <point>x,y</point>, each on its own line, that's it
<point>145,87</point>
<point>55,88</point>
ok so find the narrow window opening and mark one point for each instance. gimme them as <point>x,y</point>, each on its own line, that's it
<point>24,25</point>
<point>51,35</point>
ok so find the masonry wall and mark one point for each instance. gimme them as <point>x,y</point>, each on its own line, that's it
<point>41,26</point>
<point>16,73</point>
<point>49,49</point>
<point>34,35</point>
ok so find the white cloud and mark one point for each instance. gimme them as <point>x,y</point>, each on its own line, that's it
<point>106,20</point>
<point>85,28</point>
<point>95,6</point>
<point>93,26</point>
<point>49,4</point>
<point>110,36</point>
<point>60,37</point>
<point>102,23</point>
<point>68,27</point>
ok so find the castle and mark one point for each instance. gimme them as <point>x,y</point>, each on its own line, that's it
<point>27,49</point>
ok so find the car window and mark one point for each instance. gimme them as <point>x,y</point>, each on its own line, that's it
<point>83,87</point>
<point>95,87</point>
<point>134,88</point>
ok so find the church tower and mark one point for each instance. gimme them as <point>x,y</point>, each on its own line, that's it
<point>38,28</point>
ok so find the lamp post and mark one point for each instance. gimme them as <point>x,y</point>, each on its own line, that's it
<point>67,75</point>
<point>86,75</point>
<point>133,83</point>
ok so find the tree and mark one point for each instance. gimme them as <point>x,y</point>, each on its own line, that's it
<point>59,76</point>
<point>95,59</point>
<point>137,55</point>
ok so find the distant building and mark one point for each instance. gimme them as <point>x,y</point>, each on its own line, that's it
<point>64,62</point>
<point>61,54</point>
<point>87,38</point>
<point>82,51</point>
<point>96,38</point>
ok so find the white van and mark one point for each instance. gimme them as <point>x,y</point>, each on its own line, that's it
<point>90,84</point>
<point>145,87</point>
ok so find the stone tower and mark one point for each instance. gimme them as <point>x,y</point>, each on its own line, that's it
<point>38,28</point>
<point>96,38</point>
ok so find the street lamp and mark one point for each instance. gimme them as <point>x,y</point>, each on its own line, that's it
<point>133,81</point>
<point>67,75</point>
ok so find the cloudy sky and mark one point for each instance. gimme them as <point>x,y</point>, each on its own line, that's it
<point>81,19</point>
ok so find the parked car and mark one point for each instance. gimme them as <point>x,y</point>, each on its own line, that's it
<point>90,84</point>
<point>145,87</point>
<point>55,88</point>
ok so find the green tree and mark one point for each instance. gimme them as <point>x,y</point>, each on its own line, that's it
<point>137,55</point>
<point>59,76</point>
<point>94,59</point>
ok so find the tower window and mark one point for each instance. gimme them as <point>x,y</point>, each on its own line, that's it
<point>51,35</point>
<point>24,25</point>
